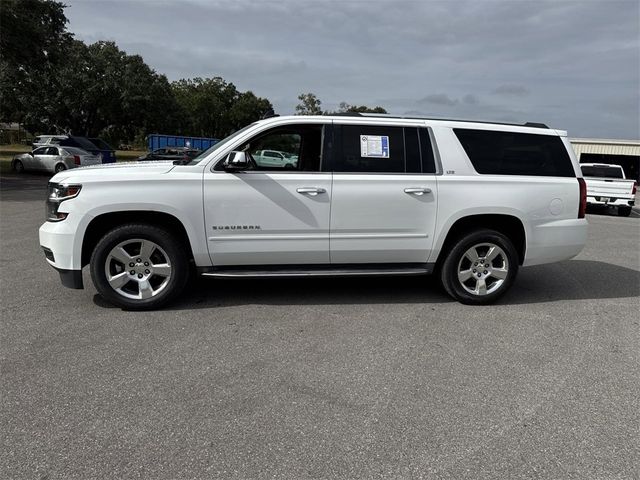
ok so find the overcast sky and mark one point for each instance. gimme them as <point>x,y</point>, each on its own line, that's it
<point>574,65</point>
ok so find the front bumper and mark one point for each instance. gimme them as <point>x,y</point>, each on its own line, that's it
<point>71,278</point>
<point>58,243</point>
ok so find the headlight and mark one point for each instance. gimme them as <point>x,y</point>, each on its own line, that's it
<point>56,194</point>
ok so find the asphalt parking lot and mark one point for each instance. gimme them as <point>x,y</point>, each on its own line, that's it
<point>324,378</point>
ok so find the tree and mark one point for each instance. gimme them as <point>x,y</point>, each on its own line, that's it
<point>33,41</point>
<point>215,108</point>
<point>101,91</point>
<point>309,105</point>
<point>346,108</point>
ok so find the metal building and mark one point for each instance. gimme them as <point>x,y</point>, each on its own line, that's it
<point>625,153</point>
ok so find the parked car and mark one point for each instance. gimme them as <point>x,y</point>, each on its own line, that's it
<point>53,158</point>
<point>607,186</point>
<point>170,153</point>
<point>104,152</point>
<point>108,153</point>
<point>369,195</point>
<point>275,158</point>
<point>44,140</point>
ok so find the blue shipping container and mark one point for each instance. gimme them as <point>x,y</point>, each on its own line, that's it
<point>156,141</point>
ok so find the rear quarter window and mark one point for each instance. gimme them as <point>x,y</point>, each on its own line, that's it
<point>514,153</point>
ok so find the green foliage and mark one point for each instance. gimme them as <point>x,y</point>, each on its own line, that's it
<point>309,105</point>
<point>212,107</point>
<point>33,40</point>
<point>51,83</point>
<point>346,108</point>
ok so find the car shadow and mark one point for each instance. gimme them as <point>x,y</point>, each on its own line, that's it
<point>570,280</point>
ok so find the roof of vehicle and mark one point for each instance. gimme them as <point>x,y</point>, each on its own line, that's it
<point>372,118</point>
<point>611,165</point>
<point>75,150</point>
<point>384,115</point>
<point>101,144</point>
<point>82,141</point>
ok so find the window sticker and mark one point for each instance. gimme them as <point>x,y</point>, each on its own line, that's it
<point>374,146</point>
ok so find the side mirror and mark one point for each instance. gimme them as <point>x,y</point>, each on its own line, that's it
<point>236,161</point>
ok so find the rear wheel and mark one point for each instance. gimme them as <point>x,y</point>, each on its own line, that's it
<point>480,267</point>
<point>60,168</point>
<point>18,166</point>
<point>139,267</point>
<point>624,211</point>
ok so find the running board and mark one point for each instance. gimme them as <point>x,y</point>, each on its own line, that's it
<point>307,271</point>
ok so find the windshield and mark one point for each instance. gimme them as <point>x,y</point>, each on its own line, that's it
<point>221,143</point>
<point>601,171</point>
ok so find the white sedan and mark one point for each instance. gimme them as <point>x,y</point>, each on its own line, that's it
<point>54,159</point>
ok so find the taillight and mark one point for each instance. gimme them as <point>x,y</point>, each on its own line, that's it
<point>635,187</point>
<point>76,159</point>
<point>582,208</point>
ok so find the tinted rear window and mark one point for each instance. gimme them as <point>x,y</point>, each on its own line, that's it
<point>605,172</point>
<point>80,142</point>
<point>512,153</point>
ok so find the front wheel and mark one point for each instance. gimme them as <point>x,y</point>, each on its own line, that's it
<point>480,267</point>
<point>139,267</point>
<point>18,166</point>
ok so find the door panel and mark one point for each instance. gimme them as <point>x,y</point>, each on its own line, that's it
<point>259,218</point>
<point>374,220</point>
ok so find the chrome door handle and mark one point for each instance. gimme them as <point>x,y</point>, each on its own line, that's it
<point>313,191</point>
<point>417,190</point>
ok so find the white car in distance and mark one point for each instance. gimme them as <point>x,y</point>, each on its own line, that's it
<point>54,159</point>
<point>471,202</point>
<point>607,186</point>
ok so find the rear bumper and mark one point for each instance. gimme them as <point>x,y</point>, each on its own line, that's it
<point>617,202</point>
<point>556,241</point>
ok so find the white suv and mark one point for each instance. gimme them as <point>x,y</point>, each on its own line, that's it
<point>368,195</point>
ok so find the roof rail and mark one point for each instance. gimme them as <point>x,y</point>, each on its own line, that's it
<point>385,115</point>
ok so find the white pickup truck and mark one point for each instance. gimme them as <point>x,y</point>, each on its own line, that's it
<point>368,195</point>
<point>607,186</point>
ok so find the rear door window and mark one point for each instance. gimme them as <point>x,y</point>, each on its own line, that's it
<point>514,153</point>
<point>382,149</point>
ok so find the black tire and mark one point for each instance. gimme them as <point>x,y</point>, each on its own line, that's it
<point>456,258</point>
<point>61,167</point>
<point>170,246</point>
<point>18,166</point>
<point>624,211</point>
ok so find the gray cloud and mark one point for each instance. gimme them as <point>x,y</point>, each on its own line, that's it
<point>470,99</point>
<point>517,90</point>
<point>581,74</point>
<point>439,99</point>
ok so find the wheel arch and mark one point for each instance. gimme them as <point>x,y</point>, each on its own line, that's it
<point>509,225</point>
<point>105,222</point>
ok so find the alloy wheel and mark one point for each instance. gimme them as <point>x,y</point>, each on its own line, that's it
<point>483,269</point>
<point>138,269</point>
